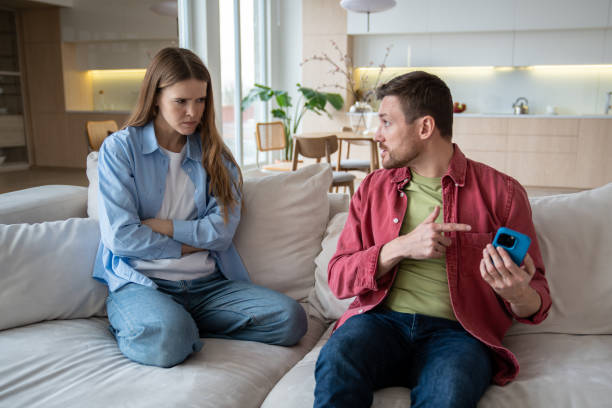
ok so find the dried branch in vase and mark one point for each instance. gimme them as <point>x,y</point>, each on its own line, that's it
<point>345,68</point>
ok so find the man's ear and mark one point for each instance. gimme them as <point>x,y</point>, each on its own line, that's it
<point>427,127</point>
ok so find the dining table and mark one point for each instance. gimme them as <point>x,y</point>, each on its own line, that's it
<point>349,136</point>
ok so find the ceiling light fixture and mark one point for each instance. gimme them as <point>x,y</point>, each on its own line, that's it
<point>367,6</point>
<point>165,8</point>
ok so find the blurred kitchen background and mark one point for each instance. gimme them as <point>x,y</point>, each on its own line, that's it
<point>66,62</point>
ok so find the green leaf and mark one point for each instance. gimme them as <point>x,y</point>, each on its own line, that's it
<point>307,92</point>
<point>257,93</point>
<point>283,99</point>
<point>279,113</point>
<point>335,100</point>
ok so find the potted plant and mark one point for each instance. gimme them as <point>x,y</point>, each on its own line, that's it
<point>309,100</point>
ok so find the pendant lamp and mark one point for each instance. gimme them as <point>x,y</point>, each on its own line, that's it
<point>367,6</point>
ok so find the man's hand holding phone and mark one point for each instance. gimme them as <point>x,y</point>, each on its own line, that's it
<point>426,241</point>
<point>508,280</point>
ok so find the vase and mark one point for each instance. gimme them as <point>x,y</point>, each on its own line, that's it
<point>360,116</point>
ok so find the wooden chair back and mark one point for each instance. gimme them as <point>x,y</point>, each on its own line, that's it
<point>314,148</point>
<point>97,131</point>
<point>270,136</point>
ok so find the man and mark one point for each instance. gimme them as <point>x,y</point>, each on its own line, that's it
<point>434,298</point>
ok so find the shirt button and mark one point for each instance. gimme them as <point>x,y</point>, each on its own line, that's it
<point>395,220</point>
<point>401,194</point>
<point>360,310</point>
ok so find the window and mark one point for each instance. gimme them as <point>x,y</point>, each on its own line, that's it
<point>251,63</point>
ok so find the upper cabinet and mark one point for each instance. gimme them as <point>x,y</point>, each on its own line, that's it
<point>115,34</point>
<point>484,32</point>
<point>560,14</point>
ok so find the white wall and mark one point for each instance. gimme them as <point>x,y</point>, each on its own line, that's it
<point>285,45</point>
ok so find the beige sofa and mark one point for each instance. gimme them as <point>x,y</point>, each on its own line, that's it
<point>56,350</point>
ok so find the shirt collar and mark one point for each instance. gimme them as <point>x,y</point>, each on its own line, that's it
<point>149,145</point>
<point>457,168</point>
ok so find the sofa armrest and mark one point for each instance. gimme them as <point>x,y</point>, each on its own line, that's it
<point>44,203</point>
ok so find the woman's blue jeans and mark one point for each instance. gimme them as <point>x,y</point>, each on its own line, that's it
<point>441,362</point>
<point>163,326</point>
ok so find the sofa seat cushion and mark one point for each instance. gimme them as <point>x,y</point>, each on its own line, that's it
<point>76,363</point>
<point>557,370</point>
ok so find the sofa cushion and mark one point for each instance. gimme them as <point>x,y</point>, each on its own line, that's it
<point>321,297</point>
<point>76,363</point>
<point>575,237</point>
<point>46,272</point>
<point>44,203</point>
<point>92,190</point>
<point>557,370</point>
<point>282,226</point>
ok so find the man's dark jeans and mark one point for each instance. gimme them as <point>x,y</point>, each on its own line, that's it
<point>442,363</point>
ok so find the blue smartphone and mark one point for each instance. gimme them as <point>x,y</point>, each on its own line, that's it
<point>515,243</point>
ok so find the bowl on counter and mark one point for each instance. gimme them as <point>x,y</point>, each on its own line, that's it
<point>459,107</point>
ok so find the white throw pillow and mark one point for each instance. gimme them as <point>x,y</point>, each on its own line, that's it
<point>92,191</point>
<point>282,226</point>
<point>575,236</point>
<point>46,270</point>
<point>321,297</point>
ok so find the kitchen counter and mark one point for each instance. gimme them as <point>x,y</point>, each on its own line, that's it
<point>569,151</point>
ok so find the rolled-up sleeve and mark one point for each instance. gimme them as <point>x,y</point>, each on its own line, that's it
<point>352,269</point>
<point>120,225</point>
<point>520,219</point>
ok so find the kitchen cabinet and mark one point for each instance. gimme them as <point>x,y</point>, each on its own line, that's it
<point>541,152</point>
<point>559,47</point>
<point>439,16</point>
<point>471,49</point>
<point>560,14</point>
<point>470,15</point>
<point>484,33</point>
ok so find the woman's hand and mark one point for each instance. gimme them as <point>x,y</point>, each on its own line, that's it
<point>164,227</point>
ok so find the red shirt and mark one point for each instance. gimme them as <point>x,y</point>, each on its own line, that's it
<point>472,193</point>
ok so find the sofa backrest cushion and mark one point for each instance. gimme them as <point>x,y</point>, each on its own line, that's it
<point>45,272</point>
<point>282,225</point>
<point>321,297</point>
<point>92,191</point>
<point>44,203</point>
<point>575,236</point>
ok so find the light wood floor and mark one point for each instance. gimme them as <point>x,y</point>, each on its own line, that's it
<point>40,176</point>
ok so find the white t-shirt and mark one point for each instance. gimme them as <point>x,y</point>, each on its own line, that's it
<point>179,204</point>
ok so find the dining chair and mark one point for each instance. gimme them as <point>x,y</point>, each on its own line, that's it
<point>97,131</point>
<point>271,136</point>
<point>353,164</point>
<point>318,148</point>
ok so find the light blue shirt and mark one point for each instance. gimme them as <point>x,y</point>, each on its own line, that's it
<point>132,171</point>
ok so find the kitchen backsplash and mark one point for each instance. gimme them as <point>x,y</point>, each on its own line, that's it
<point>569,90</point>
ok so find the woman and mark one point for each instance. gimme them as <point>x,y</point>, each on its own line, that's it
<point>170,201</point>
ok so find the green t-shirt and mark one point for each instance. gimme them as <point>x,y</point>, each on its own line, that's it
<point>421,286</point>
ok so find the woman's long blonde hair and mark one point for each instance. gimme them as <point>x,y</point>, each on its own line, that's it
<point>172,65</point>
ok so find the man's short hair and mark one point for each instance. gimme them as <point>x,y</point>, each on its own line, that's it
<point>420,94</point>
